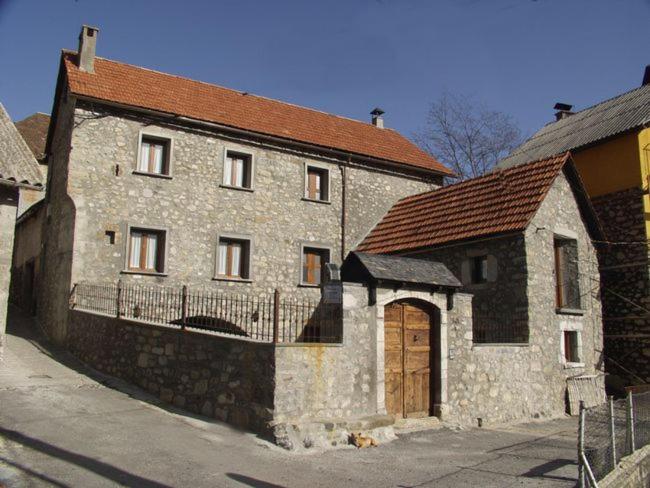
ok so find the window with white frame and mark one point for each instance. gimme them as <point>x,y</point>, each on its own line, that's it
<point>238,170</point>
<point>317,184</point>
<point>571,347</point>
<point>233,258</point>
<point>146,250</point>
<point>154,156</point>
<point>314,260</point>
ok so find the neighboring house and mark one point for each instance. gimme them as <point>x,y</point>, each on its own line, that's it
<point>18,170</point>
<point>29,224</point>
<point>158,179</point>
<point>34,129</point>
<point>610,144</point>
<point>520,241</point>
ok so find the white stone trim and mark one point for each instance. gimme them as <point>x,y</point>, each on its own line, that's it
<point>314,245</point>
<point>239,237</point>
<point>321,166</point>
<point>127,244</point>
<point>439,301</point>
<point>571,326</point>
<point>161,134</point>
<point>243,152</point>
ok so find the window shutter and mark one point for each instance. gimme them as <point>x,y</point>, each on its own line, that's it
<point>144,157</point>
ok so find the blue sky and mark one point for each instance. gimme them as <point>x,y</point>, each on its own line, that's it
<point>347,56</point>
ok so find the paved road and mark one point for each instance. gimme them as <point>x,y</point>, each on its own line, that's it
<point>63,425</point>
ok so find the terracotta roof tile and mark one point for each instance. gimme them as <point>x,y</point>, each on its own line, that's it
<point>499,202</point>
<point>139,87</point>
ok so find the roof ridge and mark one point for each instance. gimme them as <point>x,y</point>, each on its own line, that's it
<point>243,93</point>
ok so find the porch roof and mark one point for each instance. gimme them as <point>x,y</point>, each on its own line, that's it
<point>361,266</point>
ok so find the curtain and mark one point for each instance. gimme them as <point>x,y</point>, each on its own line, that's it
<point>136,243</point>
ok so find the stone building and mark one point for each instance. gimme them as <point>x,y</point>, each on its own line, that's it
<point>157,179</point>
<point>18,171</point>
<point>25,267</point>
<point>520,242</point>
<point>610,145</point>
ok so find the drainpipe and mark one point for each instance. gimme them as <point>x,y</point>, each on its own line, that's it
<point>343,208</point>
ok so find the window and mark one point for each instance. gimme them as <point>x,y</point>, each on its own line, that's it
<point>237,170</point>
<point>313,263</point>
<point>317,184</point>
<point>233,258</point>
<point>154,156</point>
<point>571,346</point>
<point>567,289</point>
<point>479,269</point>
<point>147,250</point>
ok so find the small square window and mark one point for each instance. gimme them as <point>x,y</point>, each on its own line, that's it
<point>233,258</point>
<point>237,170</point>
<point>571,346</point>
<point>479,269</point>
<point>317,184</point>
<point>147,250</point>
<point>154,156</point>
<point>313,262</point>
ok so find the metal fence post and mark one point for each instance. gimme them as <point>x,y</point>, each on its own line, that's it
<point>581,446</point>
<point>276,315</point>
<point>184,307</point>
<point>630,422</point>
<point>612,429</point>
<point>118,300</point>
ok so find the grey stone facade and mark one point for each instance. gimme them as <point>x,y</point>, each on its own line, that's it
<point>8,205</point>
<point>93,189</point>
<point>624,270</point>
<point>503,382</point>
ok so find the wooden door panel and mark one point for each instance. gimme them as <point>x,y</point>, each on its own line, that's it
<point>416,391</point>
<point>394,393</point>
<point>418,337</point>
<point>417,360</point>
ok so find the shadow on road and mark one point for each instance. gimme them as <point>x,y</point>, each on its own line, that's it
<point>100,468</point>
<point>254,482</point>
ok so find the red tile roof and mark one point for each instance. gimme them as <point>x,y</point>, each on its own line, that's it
<point>499,202</point>
<point>139,87</point>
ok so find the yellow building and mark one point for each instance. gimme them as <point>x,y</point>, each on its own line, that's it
<point>610,145</point>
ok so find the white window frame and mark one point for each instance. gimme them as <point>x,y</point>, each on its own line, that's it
<point>249,261</point>
<point>311,245</point>
<point>328,182</point>
<point>251,158</point>
<point>127,250</point>
<point>577,328</point>
<point>153,134</point>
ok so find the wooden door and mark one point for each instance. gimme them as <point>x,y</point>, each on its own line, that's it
<point>407,334</point>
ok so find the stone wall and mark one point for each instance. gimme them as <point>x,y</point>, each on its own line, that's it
<point>228,379</point>
<point>626,286</point>
<point>26,262</point>
<point>98,191</point>
<point>8,205</point>
<point>500,383</point>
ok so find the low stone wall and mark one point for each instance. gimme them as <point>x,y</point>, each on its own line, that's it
<point>229,379</point>
<point>632,472</point>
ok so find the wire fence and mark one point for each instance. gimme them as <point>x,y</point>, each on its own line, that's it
<point>263,318</point>
<point>609,432</point>
<point>502,328</point>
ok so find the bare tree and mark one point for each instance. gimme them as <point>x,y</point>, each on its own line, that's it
<point>467,136</point>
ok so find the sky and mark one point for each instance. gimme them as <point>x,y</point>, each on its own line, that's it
<point>347,56</point>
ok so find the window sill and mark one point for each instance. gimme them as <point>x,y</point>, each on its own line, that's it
<point>573,365</point>
<point>313,200</point>
<point>308,285</point>
<point>153,175</point>
<point>236,280</point>
<point>240,188</point>
<point>569,311</point>
<point>145,273</point>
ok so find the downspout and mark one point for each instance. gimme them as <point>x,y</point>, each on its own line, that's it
<point>343,206</point>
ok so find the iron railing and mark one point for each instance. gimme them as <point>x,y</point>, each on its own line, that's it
<point>503,328</point>
<point>259,317</point>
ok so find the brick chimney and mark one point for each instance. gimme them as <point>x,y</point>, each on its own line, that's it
<point>86,52</point>
<point>377,119</point>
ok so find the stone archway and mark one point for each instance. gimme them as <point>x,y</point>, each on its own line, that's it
<point>412,359</point>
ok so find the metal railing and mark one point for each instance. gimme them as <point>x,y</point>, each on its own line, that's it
<point>609,432</point>
<point>499,329</point>
<point>259,317</point>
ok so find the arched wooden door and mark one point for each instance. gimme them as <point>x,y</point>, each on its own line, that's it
<point>410,360</point>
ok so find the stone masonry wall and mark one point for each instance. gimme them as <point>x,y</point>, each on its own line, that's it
<point>500,383</point>
<point>228,379</point>
<point>8,204</point>
<point>195,208</point>
<point>626,285</point>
